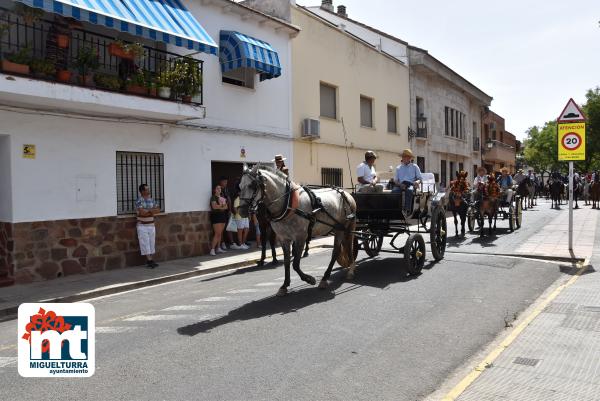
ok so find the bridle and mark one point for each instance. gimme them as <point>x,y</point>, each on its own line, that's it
<point>259,187</point>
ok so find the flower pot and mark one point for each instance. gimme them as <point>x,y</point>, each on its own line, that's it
<point>137,90</point>
<point>63,76</point>
<point>117,51</point>
<point>186,99</point>
<point>62,41</point>
<point>164,92</point>
<point>9,66</point>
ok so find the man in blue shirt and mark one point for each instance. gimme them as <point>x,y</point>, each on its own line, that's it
<point>407,178</point>
<point>506,183</point>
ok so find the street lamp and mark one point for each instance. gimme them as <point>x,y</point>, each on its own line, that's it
<point>489,144</point>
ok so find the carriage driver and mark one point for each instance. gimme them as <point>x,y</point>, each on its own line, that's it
<point>407,179</point>
<point>480,179</point>
<point>367,176</point>
<point>506,183</point>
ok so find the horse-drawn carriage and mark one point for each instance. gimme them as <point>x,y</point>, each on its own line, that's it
<point>493,206</point>
<point>382,215</point>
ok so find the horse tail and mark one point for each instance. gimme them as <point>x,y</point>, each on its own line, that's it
<point>346,255</point>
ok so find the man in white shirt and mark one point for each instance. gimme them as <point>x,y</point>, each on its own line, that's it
<point>367,176</point>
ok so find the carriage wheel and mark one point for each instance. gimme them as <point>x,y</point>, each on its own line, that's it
<point>372,243</point>
<point>518,216</point>
<point>438,233</point>
<point>471,218</point>
<point>511,217</point>
<point>414,254</point>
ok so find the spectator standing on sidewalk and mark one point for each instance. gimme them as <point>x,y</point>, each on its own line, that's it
<point>219,214</point>
<point>242,224</point>
<point>223,183</point>
<point>146,208</point>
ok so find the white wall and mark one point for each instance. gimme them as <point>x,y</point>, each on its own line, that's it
<point>266,108</point>
<point>5,180</point>
<point>68,148</point>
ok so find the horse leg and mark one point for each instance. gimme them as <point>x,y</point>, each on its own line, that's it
<point>306,248</point>
<point>455,222</point>
<point>337,244</point>
<point>263,243</point>
<point>297,256</point>
<point>463,219</point>
<point>272,242</point>
<point>286,263</point>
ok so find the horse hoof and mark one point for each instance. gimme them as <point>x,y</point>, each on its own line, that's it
<point>311,280</point>
<point>282,292</point>
<point>260,264</point>
<point>323,285</point>
<point>305,255</point>
<point>274,262</point>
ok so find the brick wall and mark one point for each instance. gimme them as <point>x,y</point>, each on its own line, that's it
<point>50,249</point>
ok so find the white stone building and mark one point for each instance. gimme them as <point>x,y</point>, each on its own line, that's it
<point>72,155</point>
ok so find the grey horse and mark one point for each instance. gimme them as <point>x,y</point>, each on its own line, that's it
<point>292,208</point>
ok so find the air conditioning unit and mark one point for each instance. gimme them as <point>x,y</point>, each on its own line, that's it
<point>311,128</point>
<point>492,125</point>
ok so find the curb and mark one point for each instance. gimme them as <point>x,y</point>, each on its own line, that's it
<point>10,313</point>
<point>517,255</point>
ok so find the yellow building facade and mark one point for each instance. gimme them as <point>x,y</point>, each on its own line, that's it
<point>341,81</point>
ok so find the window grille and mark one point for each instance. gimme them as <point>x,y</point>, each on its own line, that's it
<point>332,177</point>
<point>134,169</point>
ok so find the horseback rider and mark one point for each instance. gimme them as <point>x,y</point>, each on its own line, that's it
<point>505,182</point>
<point>280,164</point>
<point>519,177</point>
<point>407,179</point>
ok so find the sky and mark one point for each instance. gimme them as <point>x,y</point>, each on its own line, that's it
<point>531,56</point>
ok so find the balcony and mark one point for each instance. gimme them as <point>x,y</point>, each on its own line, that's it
<point>421,128</point>
<point>499,152</point>
<point>476,144</point>
<point>76,68</point>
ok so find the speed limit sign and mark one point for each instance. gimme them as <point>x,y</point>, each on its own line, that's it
<point>571,141</point>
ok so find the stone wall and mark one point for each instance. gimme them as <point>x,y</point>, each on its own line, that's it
<point>50,249</point>
<point>6,261</point>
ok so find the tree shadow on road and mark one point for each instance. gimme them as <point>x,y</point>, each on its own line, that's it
<point>376,273</point>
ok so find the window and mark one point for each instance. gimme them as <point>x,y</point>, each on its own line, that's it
<point>420,107</point>
<point>135,169</point>
<point>461,167</point>
<point>474,170</point>
<point>475,129</point>
<point>446,120</point>
<point>421,163</point>
<point>392,113</point>
<point>332,177</point>
<point>243,77</point>
<point>451,122</point>
<point>486,130</point>
<point>501,136</point>
<point>452,172</point>
<point>494,135</point>
<point>366,112</point>
<point>443,174</point>
<point>328,101</point>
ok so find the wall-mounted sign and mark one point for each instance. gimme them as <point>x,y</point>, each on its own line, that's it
<point>29,151</point>
<point>243,152</point>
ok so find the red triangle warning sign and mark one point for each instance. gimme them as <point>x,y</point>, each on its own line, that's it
<point>571,113</point>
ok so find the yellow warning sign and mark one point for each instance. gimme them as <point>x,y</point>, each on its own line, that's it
<point>571,141</point>
<point>29,151</point>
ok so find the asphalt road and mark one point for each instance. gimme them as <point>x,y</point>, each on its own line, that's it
<point>383,336</point>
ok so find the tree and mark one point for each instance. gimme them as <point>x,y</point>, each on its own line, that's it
<point>591,110</point>
<point>541,151</point>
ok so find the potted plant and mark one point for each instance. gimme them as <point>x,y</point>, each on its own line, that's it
<point>127,51</point>
<point>18,63</point>
<point>62,40</point>
<point>151,85</point>
<point>136,84</point>
<point>109,82</point>
<point>43,68</point>
<point>30,14</point>
<point>164,82</point>
<point>188,79</point>
<point>86,62</point>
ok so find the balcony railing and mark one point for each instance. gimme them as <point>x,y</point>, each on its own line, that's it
<point>38,50</point>
<point>421,127</point>
<point>476,144</point>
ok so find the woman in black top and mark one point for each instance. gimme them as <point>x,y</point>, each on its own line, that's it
<point>219,215</point>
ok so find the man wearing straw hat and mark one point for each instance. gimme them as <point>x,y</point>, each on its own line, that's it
<point>367,176</point>
<point>279,163</point>
<point>407,179</point>
<point>506,183</point>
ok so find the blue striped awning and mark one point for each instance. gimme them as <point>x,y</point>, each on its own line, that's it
<point>166,21</point>
<point>238,51</point>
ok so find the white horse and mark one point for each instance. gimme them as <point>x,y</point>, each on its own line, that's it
<point>295,211</point>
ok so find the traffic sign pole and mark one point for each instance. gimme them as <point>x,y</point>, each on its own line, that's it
<point>571,206</point>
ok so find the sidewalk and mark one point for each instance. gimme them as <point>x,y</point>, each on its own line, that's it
<point>79,287</point>
<point>553,352</point>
